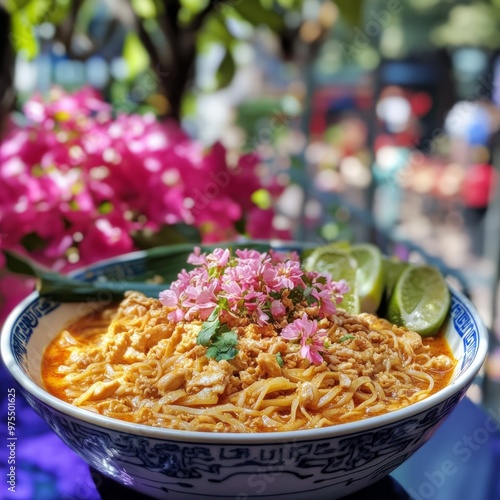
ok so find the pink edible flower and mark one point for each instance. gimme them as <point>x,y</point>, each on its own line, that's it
<point>283,275</point>
<point>277,309</point>
<point>250,285</point>
<point>249,254</point>
<point>219,257</point>
<point>196,258</point>
<point>234,294</point>
<point>312,340</point>
<point>168,298</point>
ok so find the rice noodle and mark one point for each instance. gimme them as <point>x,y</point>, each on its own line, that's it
<point>130,362</point>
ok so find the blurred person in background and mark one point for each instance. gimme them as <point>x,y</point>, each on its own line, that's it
<point>470,126</point>
<point>476,194</point>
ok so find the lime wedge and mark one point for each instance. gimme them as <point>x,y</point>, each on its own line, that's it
<point>420,300</point>
<point>369,275</point>
<point>340,265</point>
<point>316,251</point>
<point>392,268</point>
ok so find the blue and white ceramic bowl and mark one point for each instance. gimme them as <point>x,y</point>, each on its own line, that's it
<point>323,463</point>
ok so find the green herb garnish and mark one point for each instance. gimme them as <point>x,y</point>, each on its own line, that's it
<point>209,328</point>
<point>279,359</point>
<point>220,340</point>
<point>346,337</point>
<point>223,346</point>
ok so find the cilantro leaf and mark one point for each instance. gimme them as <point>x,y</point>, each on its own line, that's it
<point>223,345</point>
<point>227,338</point>
<point>279,359</point>
<point>346,337</point>
<point>227,355</point>
<point>209,328</point>
<point>212,352</point>
<point>219,339</point>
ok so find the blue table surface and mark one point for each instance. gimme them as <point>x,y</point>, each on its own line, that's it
<point>461,461</point>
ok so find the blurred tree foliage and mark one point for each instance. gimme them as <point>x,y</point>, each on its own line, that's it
<point>163,37</point>
<point>166,35</point>
<point>415,26</point>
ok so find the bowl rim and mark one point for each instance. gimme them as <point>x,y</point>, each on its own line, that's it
<point>202,437</point>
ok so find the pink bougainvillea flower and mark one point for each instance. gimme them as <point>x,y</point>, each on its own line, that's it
<point>260,224</point>
<point>83,181</point>
<point>104,239</point>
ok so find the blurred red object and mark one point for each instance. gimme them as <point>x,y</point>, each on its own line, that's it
<point>478,185</point>
<point>421,103</point>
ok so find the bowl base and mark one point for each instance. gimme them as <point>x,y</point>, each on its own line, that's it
<point>387,488</point>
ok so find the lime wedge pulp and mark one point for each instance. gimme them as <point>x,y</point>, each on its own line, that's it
<point>420,300</point>
<point>369,275</point>
<point>340,265</point>
<point>393,268</point>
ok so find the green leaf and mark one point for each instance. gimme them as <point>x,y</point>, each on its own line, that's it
<point>346,337</point>
<point>189,9</point>
<point>224,345</point>
<point>279,359</point>
<point>164,261</point>
<point>68,289</point>
<point>226,339</point>
<point>223,305</point>
<point>33,242</point>
<point>135,55</point>
<point>226,70</point>
<point>227,355</point>
<point>167,235</point>
<point>256,14</point>
<point>35,12</point>
<point>189,104</point>
<point>290,4</point>
<point>209,328</point>
<point>194,6</point>
<point>214,31</point>
<point>47,11</point>
<point>15,5</point>
<point>351,10</point>
<point>145,8</point>
<point>311,300</point>
<point>212,352</point>
<point>22,35</point>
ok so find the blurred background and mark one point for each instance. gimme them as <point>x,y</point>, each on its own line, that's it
<point>364,120</point>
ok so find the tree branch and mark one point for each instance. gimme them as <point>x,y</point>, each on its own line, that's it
<point>68,28</point>
<point>170,28</point>
<point>202,15</point>
<point>148,43</point>
<point>7,92</point>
